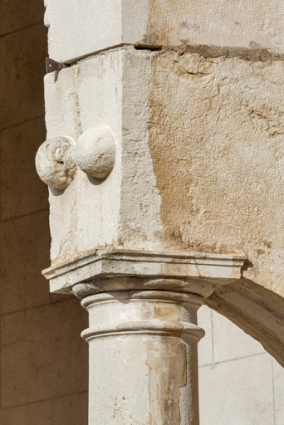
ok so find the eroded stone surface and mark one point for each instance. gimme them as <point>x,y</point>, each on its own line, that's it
<point>222,151</point>
<point>55,162</point>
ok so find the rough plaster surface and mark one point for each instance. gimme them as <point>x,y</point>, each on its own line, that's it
<point>101,24</point>
<point>216,140</point>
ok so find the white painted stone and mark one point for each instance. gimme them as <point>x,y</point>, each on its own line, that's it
<point>278,383</point>
<point>77,28</point>
<point>205,347</point>
<point>238,392</point>
<point>95,152</point>
<point>230,342</point>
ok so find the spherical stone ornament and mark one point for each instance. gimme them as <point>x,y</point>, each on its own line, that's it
<point>55,162</point>
<point>95,151</point>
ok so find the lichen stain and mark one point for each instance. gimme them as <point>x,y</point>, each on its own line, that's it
<point>167,363</point>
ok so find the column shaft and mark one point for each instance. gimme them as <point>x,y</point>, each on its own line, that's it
<point>143,358</point>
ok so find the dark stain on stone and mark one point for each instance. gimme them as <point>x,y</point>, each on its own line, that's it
<point>167,363</point>
<point>249,54</point>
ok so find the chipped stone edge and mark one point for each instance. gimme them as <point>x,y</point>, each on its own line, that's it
<point>104,264</point>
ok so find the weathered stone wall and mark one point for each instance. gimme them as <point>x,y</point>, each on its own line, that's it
<point>43,375</point>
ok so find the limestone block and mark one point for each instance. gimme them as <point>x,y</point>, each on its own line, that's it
<point>198,143</point>
<point>77,28</point>
<point>71,410</point>
<point>225,392</point>
<point>27,415</point>
<point>15,15</point>
<point>108,90</point>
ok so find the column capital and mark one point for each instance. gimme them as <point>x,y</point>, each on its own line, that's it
<point>122,269</point>
<point>162,322</point>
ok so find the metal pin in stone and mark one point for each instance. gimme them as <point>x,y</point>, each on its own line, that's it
<point>51,65</point>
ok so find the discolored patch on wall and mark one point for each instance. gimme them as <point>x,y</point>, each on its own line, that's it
<point>217,146</point>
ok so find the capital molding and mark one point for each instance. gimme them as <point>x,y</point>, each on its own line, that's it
<point>191,272</point>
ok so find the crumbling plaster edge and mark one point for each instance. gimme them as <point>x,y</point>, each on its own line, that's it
<point>254,54</point>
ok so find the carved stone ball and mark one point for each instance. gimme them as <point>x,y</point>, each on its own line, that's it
<point>55,162</point>
<point>95,151</point>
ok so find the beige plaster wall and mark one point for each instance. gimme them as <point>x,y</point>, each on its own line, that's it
<point>216,136</point>
<point>43,361</point>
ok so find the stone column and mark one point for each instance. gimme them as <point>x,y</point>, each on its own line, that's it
<point>128,233</point>
<point>143,357</point>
